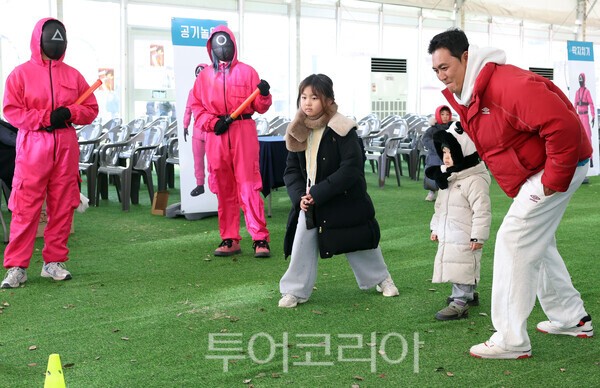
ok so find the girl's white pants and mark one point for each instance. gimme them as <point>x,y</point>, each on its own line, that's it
<point>368,266</point>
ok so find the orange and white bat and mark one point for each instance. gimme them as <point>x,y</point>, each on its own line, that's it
<point>242,106</point>
<point>87,93</point>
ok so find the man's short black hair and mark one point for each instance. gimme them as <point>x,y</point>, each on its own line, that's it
<point>453,39</point>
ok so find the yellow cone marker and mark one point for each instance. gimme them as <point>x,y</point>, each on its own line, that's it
<point>54,373</point>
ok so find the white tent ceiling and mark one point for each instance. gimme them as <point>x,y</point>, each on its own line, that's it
<point>560,13</point>
<point>556,12</point>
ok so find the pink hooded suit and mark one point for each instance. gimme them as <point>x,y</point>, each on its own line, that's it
<point>198,141</point>
<point>46,166</point>
<point>585,107</point>
<point>233,156</point>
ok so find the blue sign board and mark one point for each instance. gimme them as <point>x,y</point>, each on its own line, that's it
<point>192,32</point>
<point>580,51</point>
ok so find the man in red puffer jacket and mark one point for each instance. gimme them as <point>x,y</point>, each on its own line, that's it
<point>528,133</point>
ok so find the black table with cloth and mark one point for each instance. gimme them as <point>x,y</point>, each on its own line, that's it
<point>273,156</point>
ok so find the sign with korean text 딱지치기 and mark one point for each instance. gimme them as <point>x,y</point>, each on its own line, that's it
<point>582,93</point>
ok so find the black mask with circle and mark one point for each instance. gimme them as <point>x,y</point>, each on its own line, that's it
<point>54,39</point>
<point>222,47</point>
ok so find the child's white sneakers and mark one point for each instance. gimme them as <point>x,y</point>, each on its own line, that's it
<point>387,287</point>
<point>290,301</point>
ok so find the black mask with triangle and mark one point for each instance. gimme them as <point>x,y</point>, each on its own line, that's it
<point>54,39</point>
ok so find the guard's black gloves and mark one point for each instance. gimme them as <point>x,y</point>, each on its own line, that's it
<point>185,134</point>
<point>264,87</point>
<point>221,126</point>
<point>59,117</point>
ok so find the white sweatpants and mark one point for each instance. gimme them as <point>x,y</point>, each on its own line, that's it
<point>368,266</point>
<point>526,263</point>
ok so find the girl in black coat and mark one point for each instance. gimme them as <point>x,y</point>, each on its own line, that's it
<point>331,210</point>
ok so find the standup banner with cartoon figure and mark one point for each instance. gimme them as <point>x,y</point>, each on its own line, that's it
<point>582,92</point>
<point>189,37</point>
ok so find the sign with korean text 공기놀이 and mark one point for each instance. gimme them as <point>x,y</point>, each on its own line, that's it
<point>189,38</point>
<point>192,32</point>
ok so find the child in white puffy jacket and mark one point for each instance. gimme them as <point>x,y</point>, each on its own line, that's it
<point>462,218</point>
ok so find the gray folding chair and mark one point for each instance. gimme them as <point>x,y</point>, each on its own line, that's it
<point>142,147</point>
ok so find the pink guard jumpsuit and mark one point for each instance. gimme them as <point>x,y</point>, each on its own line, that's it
<point>47,163</point>
<point>585,107</point>
<point>233,157</point>
<point>198,142</point>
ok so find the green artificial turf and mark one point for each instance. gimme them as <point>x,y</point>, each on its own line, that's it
<point>147,296</point>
